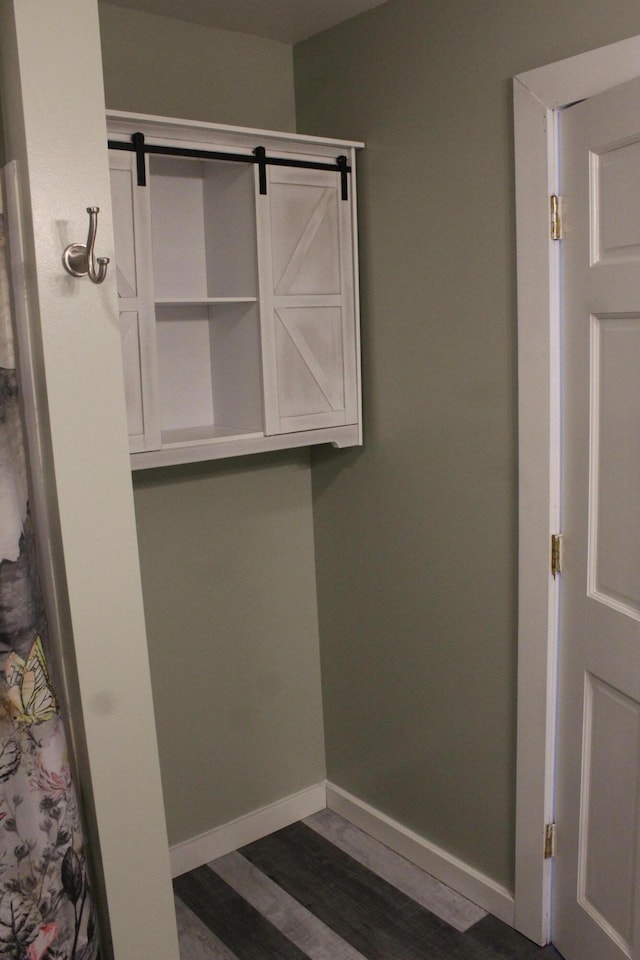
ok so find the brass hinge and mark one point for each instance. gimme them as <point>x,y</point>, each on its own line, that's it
<point>556,222</point>
<point>556,554</point>
<point>549,841</point>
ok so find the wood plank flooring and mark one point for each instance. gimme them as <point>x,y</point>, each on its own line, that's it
<point>323,890</point>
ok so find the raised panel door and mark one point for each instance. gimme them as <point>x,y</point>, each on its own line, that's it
<point>597,867</point>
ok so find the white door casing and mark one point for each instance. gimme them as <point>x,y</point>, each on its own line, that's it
<point>53,105</point>
<point>595,889</point>
<point>538,96</point>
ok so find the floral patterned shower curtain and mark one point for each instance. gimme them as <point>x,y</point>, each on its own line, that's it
<point>46,911</point>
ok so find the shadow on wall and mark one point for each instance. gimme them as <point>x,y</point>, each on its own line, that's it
<point>2,150</point>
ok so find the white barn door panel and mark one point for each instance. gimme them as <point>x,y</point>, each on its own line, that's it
<point>131,216</point>
<point>307,302</point>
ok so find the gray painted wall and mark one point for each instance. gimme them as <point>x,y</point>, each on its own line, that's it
<point>228,578</point>
<point>416,535</point>
<point>226,549</point>
<point>171,68</point>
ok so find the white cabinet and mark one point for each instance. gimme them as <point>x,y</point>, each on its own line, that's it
<point>237,280</point>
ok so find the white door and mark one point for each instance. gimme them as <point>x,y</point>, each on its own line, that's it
<point>596,906</point>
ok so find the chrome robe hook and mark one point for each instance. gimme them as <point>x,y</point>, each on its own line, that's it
<point>78,258</point>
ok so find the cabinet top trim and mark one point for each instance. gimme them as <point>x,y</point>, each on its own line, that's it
<point>120,122</point>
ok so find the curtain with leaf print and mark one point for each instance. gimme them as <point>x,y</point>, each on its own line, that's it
<point>46,911</point>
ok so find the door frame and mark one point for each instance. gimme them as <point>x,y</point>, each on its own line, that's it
<point>539,96</point>
<point>55,132</point>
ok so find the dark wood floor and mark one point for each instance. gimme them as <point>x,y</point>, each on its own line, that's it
<point>323,890</point>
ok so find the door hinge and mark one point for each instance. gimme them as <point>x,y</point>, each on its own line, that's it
<point>556,222</point>
<point>556,554</point>
<point>549,841</point>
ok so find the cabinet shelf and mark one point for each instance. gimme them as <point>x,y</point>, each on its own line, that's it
<point>209,433</point>
<point>201,301</point>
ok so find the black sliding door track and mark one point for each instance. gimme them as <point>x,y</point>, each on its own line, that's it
<point>259,156</point>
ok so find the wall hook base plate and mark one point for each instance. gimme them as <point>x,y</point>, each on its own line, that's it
<point>75,259</point>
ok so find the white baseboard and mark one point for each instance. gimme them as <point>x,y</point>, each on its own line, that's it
<point>468,881</point>
<point>448,869</point>
<point>259,823</point>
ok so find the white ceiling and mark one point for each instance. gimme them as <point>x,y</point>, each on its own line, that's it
<point>285,20</point>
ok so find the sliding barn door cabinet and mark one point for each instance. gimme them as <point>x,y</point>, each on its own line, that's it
<point>236,264</point>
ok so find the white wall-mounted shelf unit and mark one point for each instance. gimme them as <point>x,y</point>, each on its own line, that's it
<point>236,262</point>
